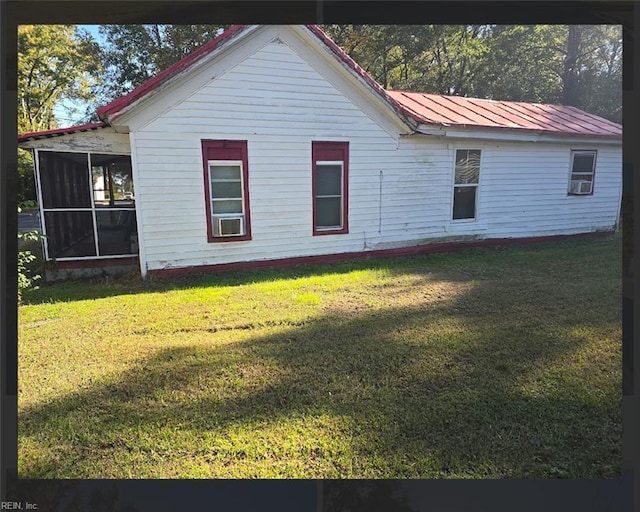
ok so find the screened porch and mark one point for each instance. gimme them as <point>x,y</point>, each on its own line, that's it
<point>87,205</point>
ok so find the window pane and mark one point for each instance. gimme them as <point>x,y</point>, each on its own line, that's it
<point>227,206</point>
<point>65,180</point>
<point>328,212</point>
<point>328,180</point>
<point>464,202</point>
<point>222,189</point>
<point>117,232</point>
<point>69,234</point>
<point>225,172</point>
<point>112,180</point>
<point>583,162</point>
<point>467,166</point>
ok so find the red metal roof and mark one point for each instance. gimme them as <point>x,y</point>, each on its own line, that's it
<point>456,111</point>
<point>60,131</point>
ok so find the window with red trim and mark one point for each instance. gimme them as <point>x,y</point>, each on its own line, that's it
<point>330,178</point>
<point>226,185</point>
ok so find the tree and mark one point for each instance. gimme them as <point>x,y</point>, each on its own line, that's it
<point>55,62</point>
<point>599,71</point>
<point>571,71</point>
<point>573,65</point>
<point>522,63</point>
<point>388,53</point>
<point>135,53</point>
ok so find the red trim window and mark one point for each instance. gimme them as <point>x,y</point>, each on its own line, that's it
<point>226,187</point>
<point>329,184</point>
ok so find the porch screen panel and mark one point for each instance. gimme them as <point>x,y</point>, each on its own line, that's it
<point>117,233</point>
<point>70,234</point>
<point>64,180</point>
<point>114,199</point>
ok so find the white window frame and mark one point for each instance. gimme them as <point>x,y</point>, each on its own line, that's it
<point>216,216</point>
<point>92,209</point>
<point>341,196</point>
<point>575,152</point>
<point>454,185</point>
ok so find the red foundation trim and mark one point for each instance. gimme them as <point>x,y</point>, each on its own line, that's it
<point>381,253</point>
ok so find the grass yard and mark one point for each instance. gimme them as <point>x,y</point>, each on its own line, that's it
<point>487,363</point>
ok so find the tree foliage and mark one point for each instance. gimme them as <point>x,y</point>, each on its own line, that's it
<point>26,278</point>
<point>135,53</point>
<point>578,65</point>
<point>55,62</point>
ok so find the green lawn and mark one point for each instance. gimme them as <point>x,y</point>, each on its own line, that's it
<point>487,363</point>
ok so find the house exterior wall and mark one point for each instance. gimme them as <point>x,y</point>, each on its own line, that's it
<point>279,115</point>
<point>400,188</point>
<point>522,193</point>
<point>524,190</point>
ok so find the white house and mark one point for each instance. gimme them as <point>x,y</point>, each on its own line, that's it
<point>270,146</point>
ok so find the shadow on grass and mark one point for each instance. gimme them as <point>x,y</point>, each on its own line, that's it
<point>416,406</point>
<point>133,284</point>
<point>474,259</point>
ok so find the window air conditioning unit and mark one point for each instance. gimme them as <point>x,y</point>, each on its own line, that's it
<point>580,187</point>
<point>228,225</point>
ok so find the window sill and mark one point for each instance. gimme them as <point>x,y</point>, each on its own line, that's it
<point>227,239</point>
<point>322,232</point>
<point>464,221</point>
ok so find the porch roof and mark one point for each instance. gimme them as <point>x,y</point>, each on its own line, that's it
<point>22,137</point>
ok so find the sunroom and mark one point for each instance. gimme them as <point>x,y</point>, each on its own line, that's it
<point>86,196</point>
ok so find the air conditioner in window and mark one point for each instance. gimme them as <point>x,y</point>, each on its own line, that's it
<point>228,225</point>
<point>580,187</point>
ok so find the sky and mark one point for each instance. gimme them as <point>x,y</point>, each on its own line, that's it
<point>93,30</point>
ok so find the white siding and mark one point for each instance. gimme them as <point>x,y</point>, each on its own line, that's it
<point>279,114</point>
<point>524,191</point>
<point>400,190</point>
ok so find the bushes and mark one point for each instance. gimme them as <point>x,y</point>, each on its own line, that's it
<point>26,275</point>
<point>26,179</point>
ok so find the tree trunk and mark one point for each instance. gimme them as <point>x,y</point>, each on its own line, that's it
<point>570,78</point>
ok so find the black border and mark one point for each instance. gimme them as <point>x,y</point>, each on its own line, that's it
<point>508,495</point>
